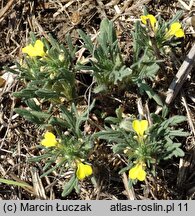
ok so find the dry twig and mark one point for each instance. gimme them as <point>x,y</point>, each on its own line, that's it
<point>130,192</point>
<point>6,8</point>
<point>181,76</point>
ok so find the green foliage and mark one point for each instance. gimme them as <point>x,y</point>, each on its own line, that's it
<point>159,143</point>
<point>145,62</point>
<point>149,48</point>
<point>73,145</point>
<point>74,120</point>
<point>51,77</point>
<point>15,183</point>
<point>50,93</point>
<point>106,62</point>
<point>70,186</point>
<point>150,92</point>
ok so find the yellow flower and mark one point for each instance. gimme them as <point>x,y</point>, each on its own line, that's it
<point>151,18</point>
<point>175,30</point>
<point>137,172</point>
<point>140,127</point>
<point>49,140</point>
<point>83,170</point>
<point>36,50</point>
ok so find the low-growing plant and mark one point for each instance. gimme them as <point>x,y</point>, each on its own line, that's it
<point>105,58</point>
<point>143,145</point>
<point>48,70</point>
<point>66,147</point>
<point>151,39</point>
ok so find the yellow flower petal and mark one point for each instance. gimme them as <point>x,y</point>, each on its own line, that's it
<point>175,30</point>
<point>36,50</point>
<point>80,172</point>
<point>39,48</point>
<point>175,26</point>
<point>49,140</point>
<point>88,170</point>
<point>133,172</point>
<point>141,175</point>
<point>137,172</point>
<point>143,19</point>
<point>83,170</point>
<point>49,135</point>
<point>140,126</point>
<point>28,49</point>
<point>179,33</point>
<point>151,18</point>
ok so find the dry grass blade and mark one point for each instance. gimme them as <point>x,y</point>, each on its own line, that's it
<point>183,168</point>
<point>181,76</point>
<point>27,188</point>
<point>37,184</point>
<point>126,10</point>
<point>6,8</point>
<point>130,192</point>
<point>190,121</point>
<point>62,8</point>
<point>187,7</point>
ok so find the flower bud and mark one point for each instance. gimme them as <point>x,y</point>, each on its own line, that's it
<point>61,57</point>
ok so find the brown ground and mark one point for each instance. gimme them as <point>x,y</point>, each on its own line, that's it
<point>18,138</point>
